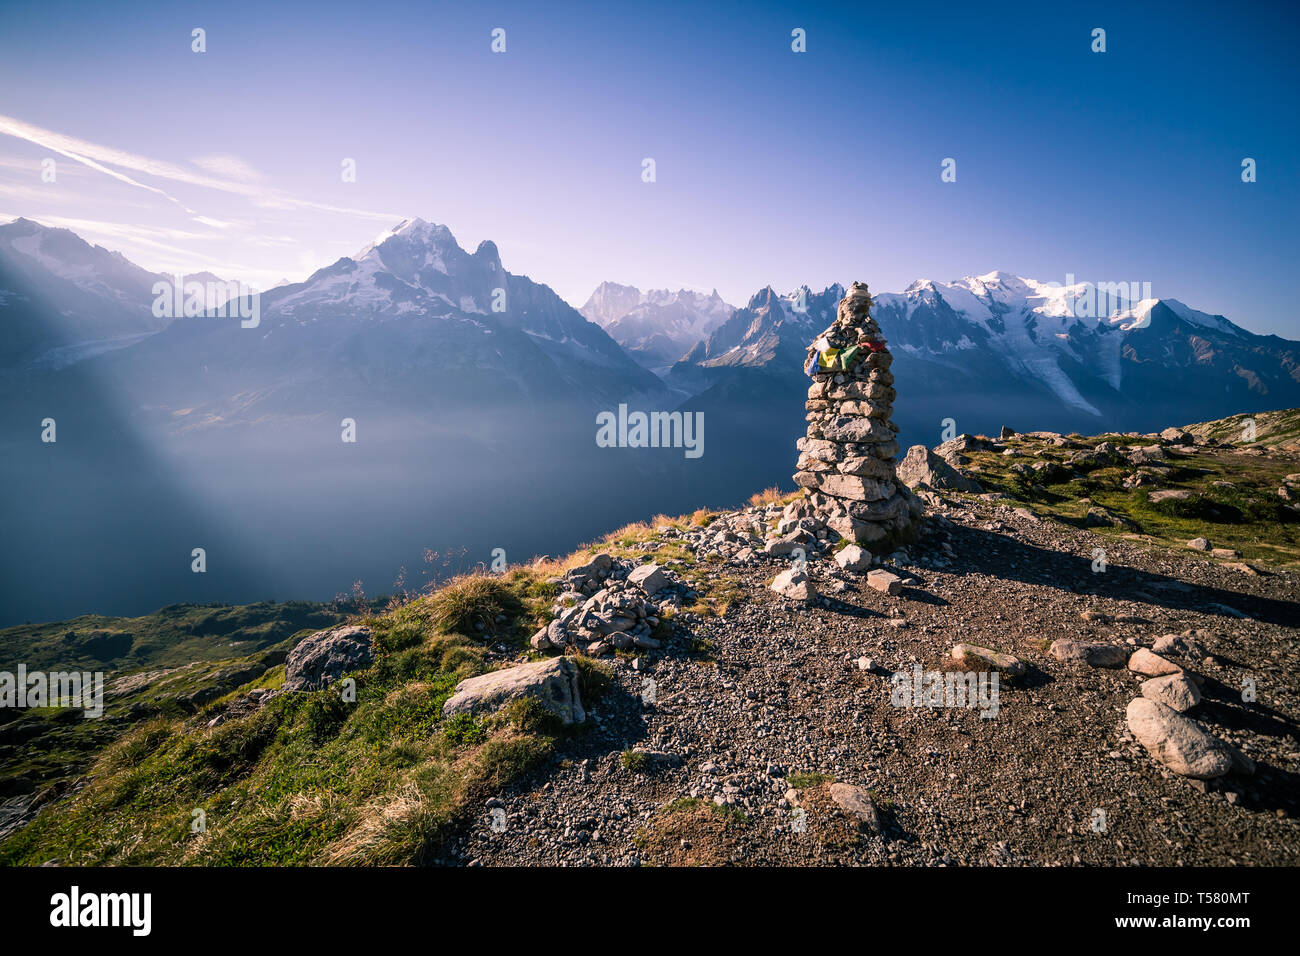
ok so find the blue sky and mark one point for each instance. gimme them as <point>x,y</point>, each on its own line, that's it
<point>772,167</point>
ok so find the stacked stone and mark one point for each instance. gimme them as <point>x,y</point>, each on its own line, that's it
<point>846,461</point>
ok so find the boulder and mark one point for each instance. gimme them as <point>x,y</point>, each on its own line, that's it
<point>1093,653</point>
<point>325,656</point>
<point>1143,455</point>
<point>785,546</point>
<point>855,487</point>
<point>794,584</point>
<point>1008,664</point>
<point>1151,665</point>
<point>1178,742</point>
<point>853,558</point>
<point>650,578</point>
<point>1175,691</point>
<point>553,683</point>
<point>1184,644</point>
<point>885,581</point>
<point>856,803</point>
<point>848,429</point>
<point>921,466</point>
<point>855,529</point>
<point>599,566</point>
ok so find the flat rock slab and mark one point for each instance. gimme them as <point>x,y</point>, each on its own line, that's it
<point>857,804</point>
<point>1151,665</point>
<point>1175,691</point>
<point>1008,664</point>
<point>1178,742</point>
<point>553,682</point>
<point>1093,653</point>
<point>885,582</point>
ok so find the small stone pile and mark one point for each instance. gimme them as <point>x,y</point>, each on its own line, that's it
<point>846,461</point>
<point>607,605</point>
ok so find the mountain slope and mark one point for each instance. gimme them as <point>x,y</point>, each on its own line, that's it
<point>59,292</point>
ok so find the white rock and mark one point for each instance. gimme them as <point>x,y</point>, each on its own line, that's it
<point>1151,665</point>
<point>794,584</point>
<point>553,682</point>
<point>1094,653</point>
<point>1173,690</point>
<point>853,558</point>
<point>1178,742</point>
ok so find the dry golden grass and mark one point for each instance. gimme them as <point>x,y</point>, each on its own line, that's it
<point>770,496</point>
<point>701,517</point>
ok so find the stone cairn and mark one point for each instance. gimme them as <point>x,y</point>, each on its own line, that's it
<point>846,461</point>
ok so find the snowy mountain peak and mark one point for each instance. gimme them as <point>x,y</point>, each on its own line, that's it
<point>655,327</point>
<point>1140,313</point>
<point>414,231</point>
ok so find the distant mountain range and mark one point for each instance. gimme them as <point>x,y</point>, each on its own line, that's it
<point>411,318</point>
<point>657,327</point>
<point>999,348</point>
<point>475,392</point>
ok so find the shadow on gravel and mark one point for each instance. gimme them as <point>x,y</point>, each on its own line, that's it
<point>1012,559</point>
<point>1223,702</point>
<point>921,596</point>
<point>1033,677</point>
<point>1270,789</point>
<point>841,606</point>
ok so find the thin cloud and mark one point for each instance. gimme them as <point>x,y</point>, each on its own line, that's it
<point>232,167</point>
<point>103,159</point>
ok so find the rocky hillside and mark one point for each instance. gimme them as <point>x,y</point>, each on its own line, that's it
<point>737,687</point>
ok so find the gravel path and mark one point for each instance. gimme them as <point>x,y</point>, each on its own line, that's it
<point>755,714</point>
